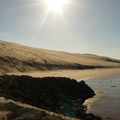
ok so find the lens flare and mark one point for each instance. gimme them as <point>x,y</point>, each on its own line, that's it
<point>56,5</point>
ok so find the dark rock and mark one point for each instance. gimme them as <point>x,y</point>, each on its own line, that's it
<point>57,94</point>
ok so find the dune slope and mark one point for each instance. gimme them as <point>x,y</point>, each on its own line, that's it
<point>19,58</point>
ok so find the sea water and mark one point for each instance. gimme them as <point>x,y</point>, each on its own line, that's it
<point>108,105</point>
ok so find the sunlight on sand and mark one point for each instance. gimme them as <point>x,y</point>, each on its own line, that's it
<point>75,74</point>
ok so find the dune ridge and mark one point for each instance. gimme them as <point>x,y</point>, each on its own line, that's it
<point>20,58</point>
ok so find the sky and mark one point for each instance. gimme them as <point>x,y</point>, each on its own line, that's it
<point>85,26</point>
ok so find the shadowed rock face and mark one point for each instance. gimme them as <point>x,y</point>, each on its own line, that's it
<point>61,95</point>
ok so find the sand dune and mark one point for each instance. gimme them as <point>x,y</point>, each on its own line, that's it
<point>19,58</point>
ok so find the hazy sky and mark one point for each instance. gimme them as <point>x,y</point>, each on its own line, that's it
<point>86,26</point>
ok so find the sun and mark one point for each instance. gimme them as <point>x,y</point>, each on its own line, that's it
<point>56,6</point>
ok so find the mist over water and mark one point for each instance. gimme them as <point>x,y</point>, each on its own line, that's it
<point>107,106</point>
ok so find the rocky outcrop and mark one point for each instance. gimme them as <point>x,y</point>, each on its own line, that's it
<point>57,94</point>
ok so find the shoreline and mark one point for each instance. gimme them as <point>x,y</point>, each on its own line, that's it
<point>106,102</point>
<point>89,102</point>
<point>83,75</point>
<point>80,75</point>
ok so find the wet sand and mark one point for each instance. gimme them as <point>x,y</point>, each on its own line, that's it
<point>107,101</point>
<point>91,101</point>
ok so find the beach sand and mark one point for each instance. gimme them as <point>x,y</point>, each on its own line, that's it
<point>74,74</point>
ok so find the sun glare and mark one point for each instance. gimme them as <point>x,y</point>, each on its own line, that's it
<point>56,5</point>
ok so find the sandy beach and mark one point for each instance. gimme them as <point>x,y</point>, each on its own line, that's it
<point>75,74</point>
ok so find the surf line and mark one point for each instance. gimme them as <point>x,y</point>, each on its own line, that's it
<point>89,102</point>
